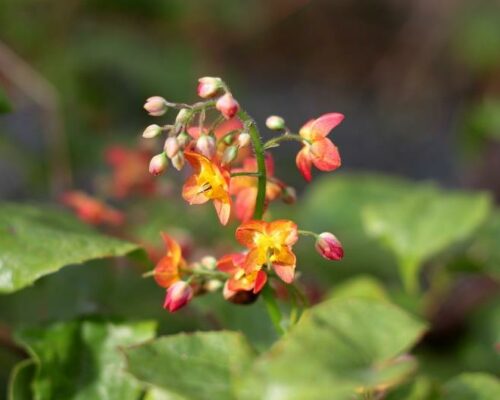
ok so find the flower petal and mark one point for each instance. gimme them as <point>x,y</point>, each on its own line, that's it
<point>303,162</point>
<point>245,204</point>
<point>325,155</point>
<point>173,248</point>
<point>286,273</point>
<point>192,193</point>
<point>324,124</point>
<point>260,281</point>
<point>231,263</point>
<point>223,208</point>
<point>286,229</point>
<point>284,257</point>
<point>246,232</point>
<point>166,272</point>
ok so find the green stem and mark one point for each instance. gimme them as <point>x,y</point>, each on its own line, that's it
<point>272,308</point>
<point>256,174</point>
<point>287,137</point>
<point>261,164</point>
<point>307,233</point>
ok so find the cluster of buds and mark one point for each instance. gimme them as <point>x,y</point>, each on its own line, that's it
<point>215,137</point>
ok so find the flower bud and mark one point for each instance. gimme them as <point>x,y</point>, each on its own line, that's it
<point>212,285</point>
<point>182,116</point>
<point>243,139</point>
<point>171,146</point>
<point>208,86</point>
<point>178,161</point>
<point>156,106</point>
<point>178,295</point>
<point>329,246</point>
<point>206,145</point>
<point>289,195</point>
<point>227,105</point>
<point>230,155</point>
<point>158,164</point>
<point>209,262</point>
<point>151,131</point>
<point>275,123</point>
<point>184,139</point>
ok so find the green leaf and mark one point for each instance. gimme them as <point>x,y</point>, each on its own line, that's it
<point>421,388</point>
<point>485,248</point>
<point>199,366</point>
<point>361,286</point>
<point>36,241</point>
<point>338,347</point>
<point>20,381</point>
<point>424,222</point>
<point>4,102</point>
<point>472,386</point>
<point>82,359</point>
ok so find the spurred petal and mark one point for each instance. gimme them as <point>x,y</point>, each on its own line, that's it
<point>325,155</point>
<point>260,281</point>
<point>231,263</point>
<point>173,248</point>
<point>324,124</point>
<point>166,272</point>
<point>305,131</point>
<point>303,162</point>
<point>246,232</point>
<point>286,273</point>
<point>284,257</point>
<point>286,229</point>
<point>223,208</point>
<point>192,193</point>
<point>245,203</point>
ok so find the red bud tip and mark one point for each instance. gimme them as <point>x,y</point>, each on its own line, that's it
<point>178,295</point>
<point>208,87</point>
<point>227,105</point>
<point>158,164</point>
<point>329,246</point>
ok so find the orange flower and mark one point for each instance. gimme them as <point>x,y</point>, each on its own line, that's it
<point>245,188</point>
<point>318,150</point>
<point>167,270</point>
<point>270,243</point>
<point>240,280</point>
<point>91,210</point>
<point>130,171</point>
<point>209,182</point>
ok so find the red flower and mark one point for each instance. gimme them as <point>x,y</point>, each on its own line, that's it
<point>318,150</point>
<point>91,210</point>
<point>167,270</point>
<point>240,280</point>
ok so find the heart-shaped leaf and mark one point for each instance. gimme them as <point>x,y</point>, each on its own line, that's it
<point>472,386</point>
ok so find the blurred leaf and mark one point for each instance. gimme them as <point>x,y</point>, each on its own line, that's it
<point>158,394</point>
<point>4,102</point>
<point>82,359</point>
<point>20,381</point>
<point>485,248</point>
<point>472,386</point>
<point>338,346</point>
<point>424,222</point>
<point>36,241</point>
<point>362,287</point>
<point>421,388</point>
<point>199,366</point>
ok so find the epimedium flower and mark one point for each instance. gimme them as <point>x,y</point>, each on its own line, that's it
<point>240,280</point>
<point>318,149</point>
<point>209,182</point>
<point>167,270</point>
<point>244,187</point>
<point>269,243</point>
<point>91,210</point>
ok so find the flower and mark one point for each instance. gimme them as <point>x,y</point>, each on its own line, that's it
<point>329,246</point>
<point>240,280</point>
<point>245,187</point>
<point>130,171</point>
<point>178,295</point>
<point>91,210</point>
<point>208,86</point>
<point>227,105</point>
<point>158,164</point>
<point>167,270</point>
<point>156,106</point>
<point>209,182</point>
<point>318,150</point>
<point>269,243</point>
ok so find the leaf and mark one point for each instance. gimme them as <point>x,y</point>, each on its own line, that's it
<point>200,366</point>
<point>485,248</point>
<point>36,241</point>
<point>472,386</point>
<point>421,388</point>
<point>4,102</point>
<point>20,381</point>
<point>338,347</point>
<point>424,222</point>
<point>82,359</point>
<point>361,286</point>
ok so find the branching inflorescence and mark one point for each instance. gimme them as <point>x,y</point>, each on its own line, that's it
<point>215,136</point>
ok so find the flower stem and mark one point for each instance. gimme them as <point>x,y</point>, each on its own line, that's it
<point>272,308</point>
<point>255,174</point>
<point>286,137</point>
<point>261,163</point>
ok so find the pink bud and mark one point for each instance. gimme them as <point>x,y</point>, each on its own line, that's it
<point>182,116</point>
<point>178,295</point>
<point>178,161</point>
<point>158,164</point>
<point>243,139</point>
<point>206,145</point>
<point>151,131</point>
<point>208,87</point>
<point>227,105</point>
<point>171,146</point>
<point>329,246</point>
<point>156,106</point>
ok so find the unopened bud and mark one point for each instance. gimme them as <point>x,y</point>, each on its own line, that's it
<point>171,146</point>
<point>244,139</point>
<point>156,106</point>
<point>184,139</point>
<point>209,262</point>
<point>275,123</point>
<point>227,105</point>
<point>151,131</point>
<point>230,154</point>
<point>289,195</point>
<point>212,285</point>
<point>178,161</point>
<point>208,86</point>
<point>206,145</point>
<point>178,295</point>
<point>158,164</point>
<point>182,116</point>
<point>329,246</point>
